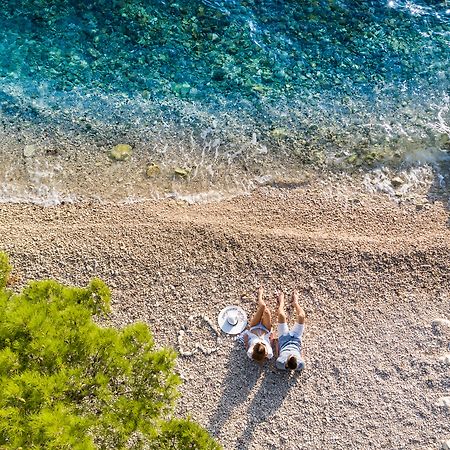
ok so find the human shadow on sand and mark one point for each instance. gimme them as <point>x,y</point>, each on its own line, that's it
<point>268,399</point>
<point>241,378</point>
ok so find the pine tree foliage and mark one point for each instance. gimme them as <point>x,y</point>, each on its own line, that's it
<point>5,269</point>
<point>67,383</point>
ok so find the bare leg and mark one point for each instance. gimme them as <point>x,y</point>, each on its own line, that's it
<point>267,319</point>
<point>299,311</point>
<point>257,317</point>
<point>281,311</point>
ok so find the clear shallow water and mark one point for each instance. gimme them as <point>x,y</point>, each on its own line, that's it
<point>231,91</point>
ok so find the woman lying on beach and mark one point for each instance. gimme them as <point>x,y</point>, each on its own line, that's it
<point>258,338</point>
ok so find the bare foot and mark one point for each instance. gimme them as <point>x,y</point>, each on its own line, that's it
<point>280,301</point>
<point>261,302</point>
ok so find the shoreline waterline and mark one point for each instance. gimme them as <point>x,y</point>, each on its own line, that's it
<point>222,94</point>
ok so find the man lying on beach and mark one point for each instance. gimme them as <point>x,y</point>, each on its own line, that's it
<point>257,339</point>
<point>289,346</point>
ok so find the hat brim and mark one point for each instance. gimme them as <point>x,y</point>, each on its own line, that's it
<point>226,327</point>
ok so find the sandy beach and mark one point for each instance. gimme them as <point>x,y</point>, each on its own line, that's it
<point>373,276</point>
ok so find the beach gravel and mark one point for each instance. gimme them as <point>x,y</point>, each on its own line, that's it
<point>373,277</point>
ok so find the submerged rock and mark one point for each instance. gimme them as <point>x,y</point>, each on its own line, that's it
<point>352,159</point>
<point>219,74</point>
<point>152,170</point>
<point>259,88</point>
<point>279,133</point>
<point>397,181</point>
<point>182,89</point>
<point>121,152</point>
<point>184,173</point>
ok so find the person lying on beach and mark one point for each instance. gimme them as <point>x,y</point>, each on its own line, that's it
<point>257,339</point>
<point>289,348</point>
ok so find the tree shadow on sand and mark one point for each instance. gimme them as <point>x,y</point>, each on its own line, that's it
<point>241,378</point>
<point>266,402</point>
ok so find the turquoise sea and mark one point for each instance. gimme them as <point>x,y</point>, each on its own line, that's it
<point>216,96</point>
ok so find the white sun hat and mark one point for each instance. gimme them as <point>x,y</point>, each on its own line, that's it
<point>232,319</point>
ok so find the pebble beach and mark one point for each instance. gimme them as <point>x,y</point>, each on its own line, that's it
<point>373,276</point>
<point>188,152</point>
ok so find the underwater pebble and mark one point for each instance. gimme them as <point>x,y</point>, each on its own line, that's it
<point>181,172</point>
<point>279,133</point>
<point>121,152</point>
<point>397,181</point>
<point>152,170</point>
<point>194,92</point>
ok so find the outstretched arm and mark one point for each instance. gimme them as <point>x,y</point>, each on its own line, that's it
<point>275,347</point>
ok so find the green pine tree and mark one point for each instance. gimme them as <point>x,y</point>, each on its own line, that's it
<point>67,383</point>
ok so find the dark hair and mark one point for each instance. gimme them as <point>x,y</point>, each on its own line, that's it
<point>259,352</point>
<point>291,362</point>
